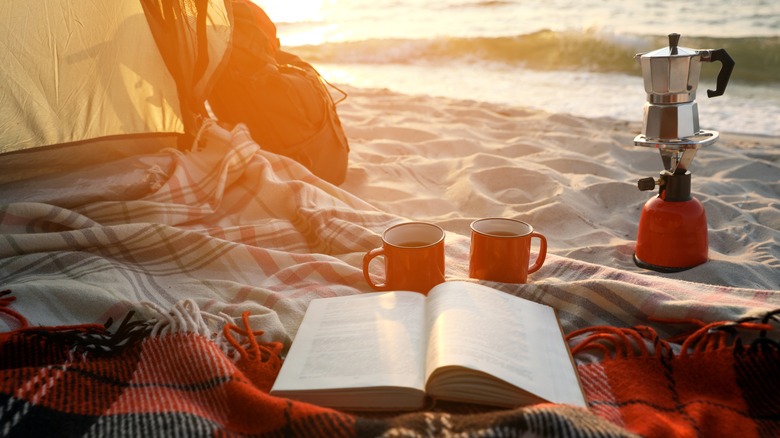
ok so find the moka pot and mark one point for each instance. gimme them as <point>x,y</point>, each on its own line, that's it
<point>672,234</point>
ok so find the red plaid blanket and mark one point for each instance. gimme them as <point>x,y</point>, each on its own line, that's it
<point>177,377</point>
<point>711,383</point>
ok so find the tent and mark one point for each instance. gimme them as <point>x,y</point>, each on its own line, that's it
<point>112,78</point>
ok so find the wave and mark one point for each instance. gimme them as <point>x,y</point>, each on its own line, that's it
<point>757,58</point>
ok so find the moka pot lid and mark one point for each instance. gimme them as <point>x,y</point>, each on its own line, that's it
<point>671,74</point>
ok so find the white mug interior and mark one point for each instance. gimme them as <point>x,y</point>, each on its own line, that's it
<point>502,227</point>
<point>413,235</point>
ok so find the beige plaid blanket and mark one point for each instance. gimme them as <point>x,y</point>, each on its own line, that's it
<point>234,228</point>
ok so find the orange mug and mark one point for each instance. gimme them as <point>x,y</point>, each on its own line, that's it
<point>501,250</point>
<point>414,257</point>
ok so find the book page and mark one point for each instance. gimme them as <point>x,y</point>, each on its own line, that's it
<point>513,339</point>
<point>368,340</point>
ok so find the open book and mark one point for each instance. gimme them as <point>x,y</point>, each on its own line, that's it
<point>462,342</point>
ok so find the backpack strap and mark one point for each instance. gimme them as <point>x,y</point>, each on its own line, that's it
<point>173,36</point>
<point>186,33</point>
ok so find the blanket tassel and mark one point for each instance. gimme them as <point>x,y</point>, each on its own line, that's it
<point>624,342</point>
<point>260,362</point>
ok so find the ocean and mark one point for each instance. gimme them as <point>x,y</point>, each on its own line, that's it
<point>562,56</point>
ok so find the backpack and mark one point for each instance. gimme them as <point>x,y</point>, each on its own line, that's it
<point>282,99</point>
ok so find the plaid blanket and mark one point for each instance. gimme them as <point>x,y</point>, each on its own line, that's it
<point>183,375</point>
<point>230,229</point>
<point>236,228</point>
<point>711,383</point>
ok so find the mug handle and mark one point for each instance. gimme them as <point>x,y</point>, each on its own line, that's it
<point>542,253</point>
<point>367,261</point>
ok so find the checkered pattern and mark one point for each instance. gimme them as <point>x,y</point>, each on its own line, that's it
<point>236,228</point>
<point>233,229</point>
<point>712,384</point>
<point>192,379</point>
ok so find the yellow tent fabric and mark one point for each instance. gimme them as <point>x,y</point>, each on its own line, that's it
<point>75,70</point>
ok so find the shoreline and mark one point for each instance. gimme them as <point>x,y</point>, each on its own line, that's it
<point>741,139</point>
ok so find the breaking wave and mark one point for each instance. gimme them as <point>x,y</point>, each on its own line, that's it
<point>757,58</point>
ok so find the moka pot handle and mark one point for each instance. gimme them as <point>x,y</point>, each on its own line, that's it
<point>727,66</point>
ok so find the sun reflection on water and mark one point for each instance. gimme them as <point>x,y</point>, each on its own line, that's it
<point>296,11</point>
<point>300,22</point>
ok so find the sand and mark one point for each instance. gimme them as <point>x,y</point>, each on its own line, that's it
<point>574,179</point>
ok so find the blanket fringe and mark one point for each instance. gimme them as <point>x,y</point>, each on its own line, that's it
<point>5,302</point>
<point>260,362</point>
<point>156,177</point>
<point>183,317</point>
<point>263,352</point>
<point>247,351</point>
<point>83,337</point>
<point>614,342</point>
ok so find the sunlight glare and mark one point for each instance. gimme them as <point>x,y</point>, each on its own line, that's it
<point>337,75</point>
<point>292,11</point>
<point>301,22</point>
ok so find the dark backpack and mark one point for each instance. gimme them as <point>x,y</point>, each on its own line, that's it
<point>283,100</point>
